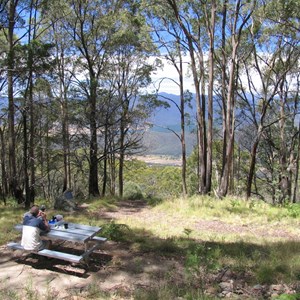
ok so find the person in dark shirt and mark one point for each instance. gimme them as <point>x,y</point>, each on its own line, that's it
<point>32,227</point>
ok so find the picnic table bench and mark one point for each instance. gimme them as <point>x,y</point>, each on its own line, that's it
<point>74,233</point>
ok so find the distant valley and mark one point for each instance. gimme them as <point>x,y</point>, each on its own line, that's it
<point>160,140</point>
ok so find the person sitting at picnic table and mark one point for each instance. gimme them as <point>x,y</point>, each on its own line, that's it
<point>42,214</point>
<point>33,225</point>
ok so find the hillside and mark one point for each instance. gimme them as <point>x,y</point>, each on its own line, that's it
<point>160,140</point>
<point>171,115</point>
<point>166,143</point>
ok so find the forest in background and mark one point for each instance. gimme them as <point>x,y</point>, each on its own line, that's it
<point>77,78</point>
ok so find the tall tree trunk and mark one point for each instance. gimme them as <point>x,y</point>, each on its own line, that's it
<point>223,187</point>
<point>251,168</point>
<point>25,159</point>
<point>182,123</point>
<point>13,182</point>
<point>211,32</point>
<point>121,171</point>
<point>285,191</point>
<point>236,31</point>
<point>30,189</point>
<point>4,185</point>
<point>93,173</point>
<point>295,192</point>
<point>224,84</point>
<point>105,164</point>
<point>112,164</point>
<point>65,125</point>
<point>122,150</point>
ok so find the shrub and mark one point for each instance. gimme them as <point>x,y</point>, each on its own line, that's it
<point>132,191</point>
<point>199,262</point>
<point>113,231</point>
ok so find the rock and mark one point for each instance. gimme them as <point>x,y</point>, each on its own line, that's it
<point>211,290</point>
<point>65,201</point>
<point>258,289</point>
<point>226,286</point>
<point>276,287</point>
<point>274,295</point>
<point>228,295</point>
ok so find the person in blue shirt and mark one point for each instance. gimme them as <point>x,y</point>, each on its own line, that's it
<point>33,225</point>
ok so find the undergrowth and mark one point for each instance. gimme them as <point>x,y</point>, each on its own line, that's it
<point>169,230</point>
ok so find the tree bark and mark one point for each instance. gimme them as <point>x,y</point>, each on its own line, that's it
<point>13,182</point>
<point>211,32</point>
<point>4,185</point>
<point>93,174</point>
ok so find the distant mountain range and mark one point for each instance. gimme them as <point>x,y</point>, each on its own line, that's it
<point>167,143</point>
<point>160,140</point>
<point>171,116</point>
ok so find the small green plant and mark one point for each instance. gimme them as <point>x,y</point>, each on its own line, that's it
<point>137,265</point>
<point>153,200</point>
<point>31,292</point>
<point>293,210</point>
<point>93,291</point>
<point>199,262</point>
<point>265,274</point>
<point>114,231</point>
<point>187,232</point>
<point>132,191</point>
<point>288,297</point>
<point>9,294</point>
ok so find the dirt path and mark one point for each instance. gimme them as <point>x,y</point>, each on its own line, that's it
<point>116,267</point>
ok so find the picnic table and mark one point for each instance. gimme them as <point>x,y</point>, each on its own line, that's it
<point>79,233</point>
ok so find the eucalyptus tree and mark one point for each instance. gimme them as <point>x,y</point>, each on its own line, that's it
<point>269,70</point>
<point>36,55</point>
<point>11,10</point>
<point>170,40</point>
<point>3,151</point>
<point>11,17</point>
<point>90,24</point>
<point>129,71</point>
<point>196,20</point>
<point>3,111</point>
<point>61,79</point>
<point>235,17</point>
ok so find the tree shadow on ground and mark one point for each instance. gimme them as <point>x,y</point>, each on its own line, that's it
<point>96,262</point>
<point>139,259</point>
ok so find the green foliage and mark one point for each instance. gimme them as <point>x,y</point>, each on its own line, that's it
<point>200,261</point>
<point>274,264</point>
<point>267,261</point>
<point>293,210</point>
<point>132,191</point>
<point>153,201</point>
<point>265,274</point>
<point>288,297</point>
<point>114,231</point>
<point>155,182</point>
<point>202,258</point>
<point>9,294</point>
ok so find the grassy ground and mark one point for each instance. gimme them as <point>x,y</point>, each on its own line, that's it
<point>207,243</point>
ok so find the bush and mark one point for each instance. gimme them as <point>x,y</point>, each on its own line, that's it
<point>293,210</point>
<point>115,232</point>
<point>132,191</point>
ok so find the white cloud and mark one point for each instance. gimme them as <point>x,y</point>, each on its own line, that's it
<point>166,79</point>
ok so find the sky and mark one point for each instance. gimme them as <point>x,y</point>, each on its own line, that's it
<point>169,74</point>
<point>164,78</point>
